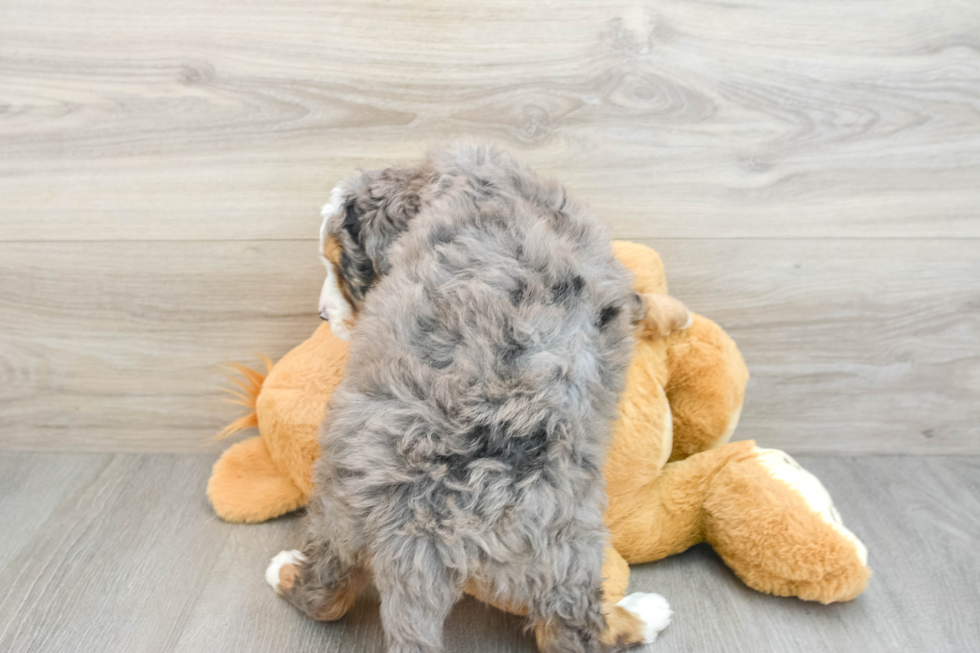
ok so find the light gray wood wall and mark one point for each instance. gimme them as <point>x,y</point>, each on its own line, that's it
<point>809,171</point>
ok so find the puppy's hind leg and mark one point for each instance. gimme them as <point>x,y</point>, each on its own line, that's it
<point>619,629</point>
<point>575,614</point>
<point>565,583</point>
<point>417,592</point>
<point>316,581</point>
<point>630,620</point>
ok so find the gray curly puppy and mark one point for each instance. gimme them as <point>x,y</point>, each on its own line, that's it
<point>464,447</point>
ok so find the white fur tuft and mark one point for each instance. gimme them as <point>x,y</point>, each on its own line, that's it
<point>280,560</point>
<point>652,609</point>
<point>338,196</point>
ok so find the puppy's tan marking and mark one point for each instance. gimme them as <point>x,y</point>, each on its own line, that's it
<point>341,600</point>
<point>273,573</point>
<point>479,591</point>
<point>544,636</point>
<point>623,628</point>
<point>332,251</point>
<point>287,577</point>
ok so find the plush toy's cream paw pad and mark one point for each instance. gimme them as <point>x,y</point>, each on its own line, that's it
<point>783,468</point>
<point>273,573</point>
<point>652,609</point>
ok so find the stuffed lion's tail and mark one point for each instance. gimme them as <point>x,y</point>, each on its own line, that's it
<point>249,384</point>
<point>246,484</point>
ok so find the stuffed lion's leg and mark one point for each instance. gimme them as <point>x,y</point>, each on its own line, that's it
<point>771,521</point>
<point>775,525</point>
<point>247,486</point>
<point>666,515</point>
<point>705,383</point>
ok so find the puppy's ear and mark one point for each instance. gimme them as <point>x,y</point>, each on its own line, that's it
<point>352,221</point>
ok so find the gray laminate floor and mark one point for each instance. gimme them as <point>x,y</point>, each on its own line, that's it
<point>122,553</point>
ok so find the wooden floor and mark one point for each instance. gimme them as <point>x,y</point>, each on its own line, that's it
<point>103,553</point>
<point>809,170</point>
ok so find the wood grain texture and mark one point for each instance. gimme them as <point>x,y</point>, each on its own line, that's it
<point>808,170</point>
<point>121,553</point>
<point>753,118</point>
<point>99,338</point>
<point>854,346</point>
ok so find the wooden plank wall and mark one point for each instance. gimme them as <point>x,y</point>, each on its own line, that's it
<point>810,173</point>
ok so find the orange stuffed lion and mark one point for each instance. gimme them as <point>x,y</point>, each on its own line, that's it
<point>672,477</point>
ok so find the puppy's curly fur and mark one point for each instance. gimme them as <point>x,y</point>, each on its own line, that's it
<point>494,328</point>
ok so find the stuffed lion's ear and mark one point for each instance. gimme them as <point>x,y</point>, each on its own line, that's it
<point>662,315</point>
<point>644,263</point>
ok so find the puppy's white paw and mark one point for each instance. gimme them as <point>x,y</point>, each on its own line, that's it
<point>689,323</point>
<point>281,559</point>
<point>652,609</point>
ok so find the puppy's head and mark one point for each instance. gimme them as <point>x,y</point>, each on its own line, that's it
<point>364,217</point>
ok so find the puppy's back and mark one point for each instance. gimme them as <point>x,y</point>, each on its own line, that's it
<point>494,350</point>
